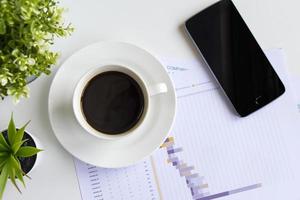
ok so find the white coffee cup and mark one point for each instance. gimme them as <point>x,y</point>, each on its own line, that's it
<point>149,91</point>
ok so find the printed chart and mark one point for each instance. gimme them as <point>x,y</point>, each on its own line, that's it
<point>195,182</point>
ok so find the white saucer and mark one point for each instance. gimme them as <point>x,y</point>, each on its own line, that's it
<point>110,153</point>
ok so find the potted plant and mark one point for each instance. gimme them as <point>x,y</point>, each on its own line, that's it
<point>27,30</point>
<point>18,155</point>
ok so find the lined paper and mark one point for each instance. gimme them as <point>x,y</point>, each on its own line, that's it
<point>295,82</point>
<point>135,182</point>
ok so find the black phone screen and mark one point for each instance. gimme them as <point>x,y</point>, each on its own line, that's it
<point>234,57</point>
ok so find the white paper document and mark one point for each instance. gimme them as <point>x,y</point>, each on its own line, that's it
<point>295,82</point>
<point>211,153</point>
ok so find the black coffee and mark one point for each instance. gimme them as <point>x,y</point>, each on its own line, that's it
<point>112,102</point>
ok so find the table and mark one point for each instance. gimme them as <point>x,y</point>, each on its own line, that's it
<point>154,25</point>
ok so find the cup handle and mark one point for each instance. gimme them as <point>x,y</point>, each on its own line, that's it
<point>157,89</point>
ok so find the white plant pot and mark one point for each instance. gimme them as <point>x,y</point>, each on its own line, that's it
<point>39,156</point>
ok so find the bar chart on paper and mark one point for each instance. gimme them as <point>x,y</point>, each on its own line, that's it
<point>196,183</point>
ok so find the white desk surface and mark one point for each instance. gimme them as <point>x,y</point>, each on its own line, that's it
<point>155,25</point>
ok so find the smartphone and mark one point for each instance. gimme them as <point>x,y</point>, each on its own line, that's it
<point>234,57</point>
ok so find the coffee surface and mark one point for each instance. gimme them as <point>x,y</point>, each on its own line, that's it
<point>112,102</point>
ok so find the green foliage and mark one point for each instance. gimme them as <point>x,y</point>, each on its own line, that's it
<point>27,30</point>
<point>11,150</point>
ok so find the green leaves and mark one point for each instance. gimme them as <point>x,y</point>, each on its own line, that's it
<point>18,138</point>
<point>16,146</point>
<point>14,136</point>
<point>4,154</point>
<point>27,31</point>
<point>3,179</point>
<point>3,144</point>
<point>27,151</point>
<point>11,130</point>
<point>2,27</point>
<point>11,149</point>
<point>12,168</point>
<point>20,173</point>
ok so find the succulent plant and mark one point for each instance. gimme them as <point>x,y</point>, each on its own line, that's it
<point>12,149</point>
